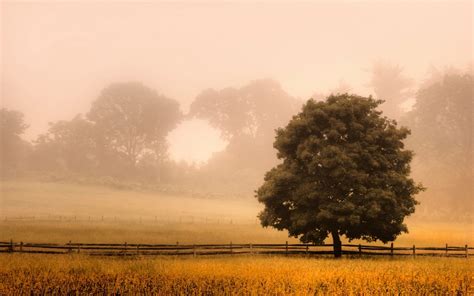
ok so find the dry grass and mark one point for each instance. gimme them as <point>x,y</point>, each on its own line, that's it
<point>242,275</point>
<point>18,198</point>
<point>422,235</point>
<point>43,199</point>
<point>237,275</point>
<point>152,233</point>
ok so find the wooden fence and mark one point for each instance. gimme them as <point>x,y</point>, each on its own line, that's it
<point>125,249</point>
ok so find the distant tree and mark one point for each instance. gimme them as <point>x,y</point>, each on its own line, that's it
<point>254,110</point>
<point>391,86</point>
<point>344,172</point>
<point>68,145</point>
<point>441,121</point>
<point>133,120</point>
<point>247,117</point>
<point>13,148</point>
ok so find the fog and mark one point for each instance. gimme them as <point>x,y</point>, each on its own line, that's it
<point>57,58</point>
<point>62,54</point>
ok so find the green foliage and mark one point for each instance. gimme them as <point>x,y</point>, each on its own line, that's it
<point>344,172</point>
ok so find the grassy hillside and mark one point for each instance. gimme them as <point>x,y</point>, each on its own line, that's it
<point>54,199</point>
<point>64,212</point>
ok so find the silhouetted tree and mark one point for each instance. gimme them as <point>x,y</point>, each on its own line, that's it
<point>13,149</point>
<point>131,120</point>
<point>344,172</point>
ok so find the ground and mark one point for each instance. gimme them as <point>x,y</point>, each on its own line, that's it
<point>236,275</point>
<point>64,212</point>
<point>51,212</point>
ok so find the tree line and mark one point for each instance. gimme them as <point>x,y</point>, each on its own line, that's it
<point>123,134</point>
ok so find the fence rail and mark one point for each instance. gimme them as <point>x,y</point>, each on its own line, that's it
<point>126,249</point>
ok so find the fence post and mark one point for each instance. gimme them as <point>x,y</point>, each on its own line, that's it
<point>360,250</point>
<point>391,249</point>
<point>21,247</point>
<point>70,249</point>
<point>78,248</point>
<point>194,250</point>
<point>125,248</point>
<point>307,248</point>
<point>11,246</point>
<point>250,247</point>
<point>177,248</point>
<point>446,250</point>
<point>286,248</point>
<point>467,251</point>
<point>414,251</point>
<point>138,249</point>
<point>231,251</point>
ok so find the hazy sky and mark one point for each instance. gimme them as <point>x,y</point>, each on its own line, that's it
<point>56,57</point>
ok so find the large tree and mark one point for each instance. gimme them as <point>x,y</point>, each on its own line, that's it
<point>344,171</point>
<point>133,120</point>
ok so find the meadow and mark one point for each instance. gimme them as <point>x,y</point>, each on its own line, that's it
<point>58,213</point>
<point>241,275</point>
<point>44,212</point>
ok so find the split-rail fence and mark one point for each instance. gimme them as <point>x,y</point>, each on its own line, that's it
<point>127,249</point>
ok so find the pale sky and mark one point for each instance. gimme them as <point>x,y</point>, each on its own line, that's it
<point>57,56</point>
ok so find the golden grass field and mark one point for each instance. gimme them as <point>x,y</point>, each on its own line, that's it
<point>240,275</point>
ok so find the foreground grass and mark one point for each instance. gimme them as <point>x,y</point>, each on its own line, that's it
<point>240,275</point>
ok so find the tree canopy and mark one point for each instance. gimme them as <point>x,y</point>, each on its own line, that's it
<point>344,171</point>
<point>247,117</point>
<point>256,109</point>
<point>68,145</point>
<point>132,120</point>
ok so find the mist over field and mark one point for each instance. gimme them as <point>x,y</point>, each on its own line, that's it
<point>167,111</point>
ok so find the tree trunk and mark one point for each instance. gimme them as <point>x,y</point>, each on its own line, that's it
<point>336,240</point>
